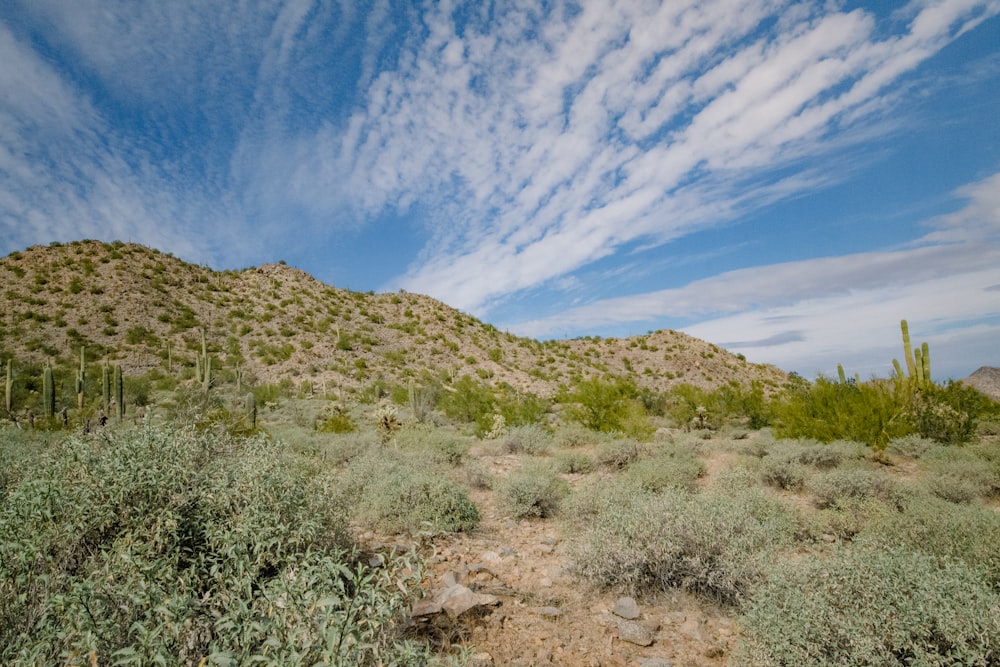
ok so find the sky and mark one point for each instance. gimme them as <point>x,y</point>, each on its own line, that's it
<point>784,179</point>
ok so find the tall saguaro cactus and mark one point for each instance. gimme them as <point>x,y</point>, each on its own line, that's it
<point>105,387</point>
<point>918,362</point>
<point>119,390</point>
<point>48,392</point>
<point>250,409</point>
<point>8,389</point>
<point>203,365</point>
<point>81,376</point>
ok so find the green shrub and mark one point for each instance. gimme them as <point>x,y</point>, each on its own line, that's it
<point>718,545</point>
<point>533,491</point>
<point>949,413</point>
<point>438,445</point>
<point>395,492</point>
<point>530,439</point>
<point>170,546</point>
<point>339,422</point>
<point>837,485</point>
<point>872,412</point>
<point>610,405</point>
<point>860,607</point>
<point>573,463</point>
<point>940,529</point>
<point>575,435</point>
<point>673,466</point>
<point>911,446</point>
<point>619,454</point>
<point>467,401</point>
<point>783,473</point>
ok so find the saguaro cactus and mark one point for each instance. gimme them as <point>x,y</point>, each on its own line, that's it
<point>918,362</point>
<point>203,365</point>
<point>81,376</point>
<point>119,389</point>
<point>250,407</point>
<point>8,389</point>
<point>48,392</point>
<point>105,387</point>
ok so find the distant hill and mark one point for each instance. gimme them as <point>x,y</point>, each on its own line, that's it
<point>147,310</point>
<point>986,380</point>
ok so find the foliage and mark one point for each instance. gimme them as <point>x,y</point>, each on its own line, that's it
<point>534,491</point>
<point>338,422</point>
<point>573,463</point>
<point>467,400</point>
<point>170,546</point>
<point>949,413</point>
<point>609,405</point>
<point>532,440</point>
<point>672,466</point>
<point>862,607</point>
<point>619,453</point>
<point>873,412</point>
<point>395,491</point>
<point>837,485</point>
<point>729,402</point>
<point>717,545</point>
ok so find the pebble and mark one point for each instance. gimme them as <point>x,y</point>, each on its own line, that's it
<point>627,608</point>
<point>634,633</point>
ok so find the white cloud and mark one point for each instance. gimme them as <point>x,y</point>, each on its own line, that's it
<point>810,315</point>
<point>541,157</point>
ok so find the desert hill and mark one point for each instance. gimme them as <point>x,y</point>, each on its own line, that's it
<point>147,310</point>
<point>985,380</point>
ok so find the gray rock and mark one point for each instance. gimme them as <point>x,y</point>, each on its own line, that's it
<point>550,612</point>
<point>655,662</point>
<point>626,608</point>
<point>634,633</point>
<point>458,599</point>
<point>481,660</point>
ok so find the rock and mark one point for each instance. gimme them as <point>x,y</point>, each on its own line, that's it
<point>692,628</point>
<point>458,599</point>
<point>549,612</point>
<point>425,607</point>
<point>545,582</point>
<point>549,540</point>
<point>655,662</point>
<point>626,608</point>
<point>451,579</point>
<point>634,633</point>
<point>676,617</point>
<point>481,660</point>
<point>491,557</point>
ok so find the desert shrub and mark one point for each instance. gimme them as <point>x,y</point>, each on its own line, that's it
<point>673,466</point>
<point>478,476</point>
<point>619,453</point>
<point>960,482</point>
<point>836,485</point>
<point>522,408</point>
<point>438,445</point>
<point>573,463</point>
<point>872,412</point>
<point>467,401</point>
<point>911,446</point>
<point>338,422</point>
<point>173,546</point>
<point>728,403</point>
<point>718,545</point>
<point>534,491</point>
<point>394,492</point>
<point>783,473</point>
<point>531,439</point>
<point>949,413</point>
<point>574,435</point>
<point>941,529</point>
<point>860,607</point>
<point>609,405</point>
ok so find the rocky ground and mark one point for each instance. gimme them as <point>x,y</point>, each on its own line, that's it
<point>505,591</point>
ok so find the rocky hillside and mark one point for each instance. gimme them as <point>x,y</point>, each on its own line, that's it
<point>986,380</point>
<point>147,310</point>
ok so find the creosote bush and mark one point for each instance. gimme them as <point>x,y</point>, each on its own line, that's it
<point>172,546</point>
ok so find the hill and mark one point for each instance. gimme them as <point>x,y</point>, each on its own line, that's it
<point>985,380</point>
<point>147,310</point>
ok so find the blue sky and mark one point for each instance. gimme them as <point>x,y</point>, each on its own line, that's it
<point>785,179</point>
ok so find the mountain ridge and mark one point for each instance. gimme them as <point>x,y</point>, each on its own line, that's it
<point>147,310</point>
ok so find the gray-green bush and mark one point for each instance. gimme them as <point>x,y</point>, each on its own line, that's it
<point>173,546</point>
<point>859,607</point>
<point>717,545</point>
<point>534,491</point>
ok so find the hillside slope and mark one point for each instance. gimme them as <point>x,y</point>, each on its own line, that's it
<point>147,310</point>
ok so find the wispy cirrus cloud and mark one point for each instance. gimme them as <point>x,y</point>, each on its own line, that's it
<point>813,314</point>
<point>619,122</point>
